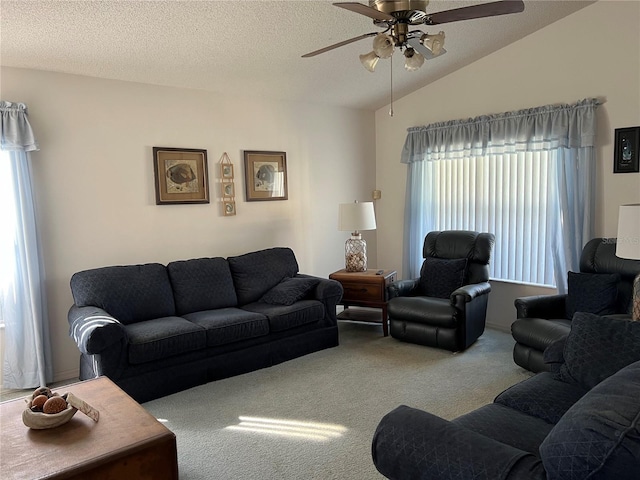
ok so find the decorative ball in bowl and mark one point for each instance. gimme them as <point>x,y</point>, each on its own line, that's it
<point>47,410</point>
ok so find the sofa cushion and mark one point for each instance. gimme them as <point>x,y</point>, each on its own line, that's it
<point>441,276</point>
<point>228,325</point>
<point>162,338</point>
<point>289,291</point>
<point>597,347</point>
<point>542,396</point>
<point>285,317</point>
<point>201,284</point>
<point>131,293</point>
<point>591,292</point>
<point>257,272</point>
<point>599,437</point>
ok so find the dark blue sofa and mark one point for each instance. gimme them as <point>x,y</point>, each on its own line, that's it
<point>156,330</point>
<point>580,421</point>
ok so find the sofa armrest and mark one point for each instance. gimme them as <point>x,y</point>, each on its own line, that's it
<point>402,288</point>
<point>413,444</point>
<point>93,329</point>
<point>329,292</point>
<point>541,306</point>
<point>471,291</point>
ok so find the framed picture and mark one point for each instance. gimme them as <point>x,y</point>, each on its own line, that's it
<point>228,208</point>
<point>180,175</point>
<point>266,175</point>
<point>226,171</point>
<point>625,154</point>
<point>228,189</point>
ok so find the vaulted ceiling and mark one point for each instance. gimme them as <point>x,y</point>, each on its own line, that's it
<point>245,48</point>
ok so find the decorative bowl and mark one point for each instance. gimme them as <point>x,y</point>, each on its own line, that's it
<point>41,421</point>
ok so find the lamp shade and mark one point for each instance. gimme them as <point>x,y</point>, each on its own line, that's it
<point>356,216</point>
<point>628,242</point>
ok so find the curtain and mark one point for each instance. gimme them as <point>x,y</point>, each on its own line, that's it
<point>565,134</point>
<point>27,355</point>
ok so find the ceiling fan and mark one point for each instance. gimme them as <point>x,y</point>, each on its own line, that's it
<point>398,16</point>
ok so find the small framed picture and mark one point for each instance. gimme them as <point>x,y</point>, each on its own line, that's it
<point>228,189</point>
<point>625,154</point>
<point>265,175</point>
<point>180,175</point>
<point>226,171</point>
<point>228,208</point>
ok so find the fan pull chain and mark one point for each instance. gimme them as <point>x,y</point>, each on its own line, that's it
<point>391,108</point>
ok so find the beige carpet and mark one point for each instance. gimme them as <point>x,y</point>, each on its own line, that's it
<point>314,417</point>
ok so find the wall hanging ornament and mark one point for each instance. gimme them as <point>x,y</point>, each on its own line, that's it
<point>227,187</point>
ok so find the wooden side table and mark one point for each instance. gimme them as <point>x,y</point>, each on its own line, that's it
<point>365,289</point>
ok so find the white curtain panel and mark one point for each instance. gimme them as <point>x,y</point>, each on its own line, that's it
<point>23,310</point>
<point>526,176</point>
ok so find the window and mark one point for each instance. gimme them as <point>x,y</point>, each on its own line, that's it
<point>7,233</point>
<point>526,176</point>
<point>510,195</point>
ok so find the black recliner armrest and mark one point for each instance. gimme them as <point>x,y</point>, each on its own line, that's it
<point>541,306</point>
<point>443,450</point>
<point>471,291</point>
<point>403,288</point>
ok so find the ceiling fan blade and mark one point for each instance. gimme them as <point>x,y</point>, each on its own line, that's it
<point>475,11</point>
<point>365,10</point>
<point>339,44</point>
<point>420,48</point>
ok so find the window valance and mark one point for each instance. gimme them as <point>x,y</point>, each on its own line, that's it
<point>535,129</point>
<point>15,130</point>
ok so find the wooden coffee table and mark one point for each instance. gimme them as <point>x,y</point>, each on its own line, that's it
<point>126,442</point>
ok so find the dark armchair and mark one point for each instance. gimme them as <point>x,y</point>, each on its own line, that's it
<point>603,287</point>
<point>446,307</point>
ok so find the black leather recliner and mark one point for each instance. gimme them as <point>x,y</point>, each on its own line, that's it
<point>446,307</point>
<point>542,319</point>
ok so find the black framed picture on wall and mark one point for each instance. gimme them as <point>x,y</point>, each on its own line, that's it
<point>625,153</point>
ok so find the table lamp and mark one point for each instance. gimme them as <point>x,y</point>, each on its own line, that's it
<point>354,217</point>
<point>628,246</point>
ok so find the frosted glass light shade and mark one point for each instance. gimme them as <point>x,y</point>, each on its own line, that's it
<point>383,45</point>
<point>356,216</point>
<point>369,61</point>
<point>628,242</point>
<point>434,43</point>
<point>413,60</point>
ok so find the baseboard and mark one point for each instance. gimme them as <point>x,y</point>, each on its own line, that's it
<point>499,327</point>
<point>65,375</point>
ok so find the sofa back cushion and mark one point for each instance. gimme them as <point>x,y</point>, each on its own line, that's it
<point>439,277</point>
<point>131,293</point>
<point>257,272</point>
<point>201,284</point>
<point>597,347</point>
<point>599,436</point>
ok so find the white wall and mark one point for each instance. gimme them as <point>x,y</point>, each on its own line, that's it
<point>592,53</point>
<point>95,189</point>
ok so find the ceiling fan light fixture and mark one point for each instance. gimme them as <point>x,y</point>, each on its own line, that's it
<point>434,43</point>
<point>369,60</point>
<point>383,45</point>
<point>413,60</point>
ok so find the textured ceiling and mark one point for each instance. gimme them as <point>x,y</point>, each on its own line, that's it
<point>244,48</point>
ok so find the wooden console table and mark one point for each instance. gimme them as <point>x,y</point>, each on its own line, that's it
<point>126,442</point>
<point>365,289</point>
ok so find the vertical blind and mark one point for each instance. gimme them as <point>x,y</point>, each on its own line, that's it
<point>510,195</point>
